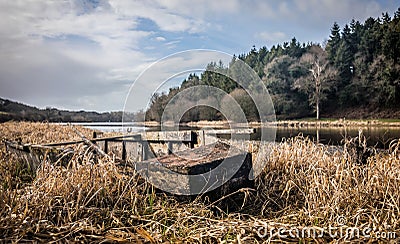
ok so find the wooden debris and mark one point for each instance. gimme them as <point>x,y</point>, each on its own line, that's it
<point>216,167</point>
<point>89,143</point>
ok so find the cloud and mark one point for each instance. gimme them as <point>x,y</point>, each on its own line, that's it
<point>57,52</point>
<point>165,18</point>
<point>327,10</point>
<point>160,39</point>
<point>172,44</point>
<point>319,13</point>
<point>165,71</point>
<point>52,50</point>
<point>271,37</point>
<point>202,8</point>
<point>308,20</point>
<point>85,53</point>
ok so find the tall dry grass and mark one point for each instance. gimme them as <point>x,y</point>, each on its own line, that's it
<point>303,184</point>
<point>308,184</point>
<point>40,133</point>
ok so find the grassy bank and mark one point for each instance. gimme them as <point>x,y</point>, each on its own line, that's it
<point>304,185</point>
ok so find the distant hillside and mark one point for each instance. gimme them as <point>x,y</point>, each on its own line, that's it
<point>10,110</point>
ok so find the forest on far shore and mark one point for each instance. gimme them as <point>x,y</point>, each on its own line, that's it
<point>355,74</point>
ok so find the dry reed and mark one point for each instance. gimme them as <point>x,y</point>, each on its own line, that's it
<point>303,185</point>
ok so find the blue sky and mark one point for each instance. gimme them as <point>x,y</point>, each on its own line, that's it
<point>86,54</point>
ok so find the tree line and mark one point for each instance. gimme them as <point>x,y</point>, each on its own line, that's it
<point>357,68</point>
<point>10,110</point>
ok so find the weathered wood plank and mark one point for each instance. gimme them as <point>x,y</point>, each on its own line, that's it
<point>231,131</point>
<point>90,143</point>
<point>217,167</point>
<point>178,136</point>
<point>134,137</point>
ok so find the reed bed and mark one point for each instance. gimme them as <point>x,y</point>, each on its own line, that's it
<point>40,133</point>
<point>94,199</point>
<point>312,185</point>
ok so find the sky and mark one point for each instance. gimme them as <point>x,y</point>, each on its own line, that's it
<point>86,54</point>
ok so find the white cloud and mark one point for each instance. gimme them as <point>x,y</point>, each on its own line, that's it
<point>271,37</point>
<point>166,19</point>
<point>166,69</point>
<point>310,20</point>
<point>80,49</point>
<point>309,14</point>
<point>160,38</point>
<point>172,44</point>
<point>320,12</point>
<point>53,49</point>
<point>200,9</point>
<point>77,53</point>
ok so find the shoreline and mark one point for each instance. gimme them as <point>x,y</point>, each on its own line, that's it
<point>283,123</point>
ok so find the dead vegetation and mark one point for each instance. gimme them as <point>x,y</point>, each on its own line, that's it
<point>304,185</point>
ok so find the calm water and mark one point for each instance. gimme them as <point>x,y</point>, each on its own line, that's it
<point>112,126</point>
<point>376,136</point>
<point>128,127</point>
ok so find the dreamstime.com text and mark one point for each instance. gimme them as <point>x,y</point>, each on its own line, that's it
<point>342,232</point>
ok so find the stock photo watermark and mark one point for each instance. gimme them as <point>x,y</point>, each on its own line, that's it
<point>340,231</point>
<point>177,66</point>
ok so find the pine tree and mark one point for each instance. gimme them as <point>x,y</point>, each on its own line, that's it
<point>391,40</point>
<point>333,42</point>
<point>345,57</point>
<point>295,49</point>
<point>397,14</point>
<point>368,41</point>
<point>356,30</point>
<point>385,18</point>
<point>251,57</point>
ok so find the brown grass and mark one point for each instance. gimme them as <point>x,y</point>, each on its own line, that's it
<point>40,133</point>
<point>303,185</point>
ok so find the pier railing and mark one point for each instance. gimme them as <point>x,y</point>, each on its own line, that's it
<point>130,147</point>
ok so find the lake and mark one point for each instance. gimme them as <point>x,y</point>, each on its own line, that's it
<point>376,136</point>
<point>379,137</point>
<point>111,126</point>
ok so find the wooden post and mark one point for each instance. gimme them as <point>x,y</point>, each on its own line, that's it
<point>145,150</point>
<point>123,150</point>
<point>94,142</point>
<point>193,139</point>
<point>106,146</point>
<point>170,148</point>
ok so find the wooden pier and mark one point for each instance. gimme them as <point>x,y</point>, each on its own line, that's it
<point>183,152</point>
<point>217,168</point>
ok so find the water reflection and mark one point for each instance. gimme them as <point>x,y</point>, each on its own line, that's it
<point>376,136</point>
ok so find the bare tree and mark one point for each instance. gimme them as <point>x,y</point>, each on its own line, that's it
<point>318,76</point>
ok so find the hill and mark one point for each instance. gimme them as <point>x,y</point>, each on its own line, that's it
<point>10,110</point>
